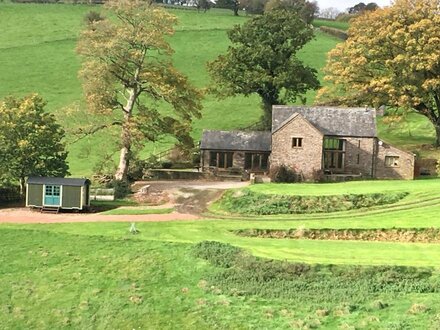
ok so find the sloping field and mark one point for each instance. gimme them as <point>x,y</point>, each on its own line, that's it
<point>38,55</point>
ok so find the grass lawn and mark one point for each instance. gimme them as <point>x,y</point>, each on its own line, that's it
<point>98,275</point>
<point>334,24</point>
<point>353,187</point>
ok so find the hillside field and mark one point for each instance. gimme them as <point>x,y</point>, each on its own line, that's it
<point>38,55</point>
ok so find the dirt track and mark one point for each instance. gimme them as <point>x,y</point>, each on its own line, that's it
<point>23,215</point>
<point>190,199</point>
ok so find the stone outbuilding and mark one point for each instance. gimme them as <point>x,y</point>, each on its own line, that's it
<point>235,151</point>
<point>313,141</point>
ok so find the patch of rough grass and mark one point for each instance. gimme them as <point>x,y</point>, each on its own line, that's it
<point>407,235</point>
<point>418,308</point>
<point>324,284</point>
<point>377,305</point>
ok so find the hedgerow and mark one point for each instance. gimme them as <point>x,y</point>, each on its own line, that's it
<point>242,273</point>
<point>249,202</point>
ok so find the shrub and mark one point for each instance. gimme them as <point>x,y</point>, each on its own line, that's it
<point>218,254</point>
<point>122,188</point>
<point>167,165</point>
<point>284,174</point>
<point>9,194</point>
<point>92,17</point>
<point>136,169</point>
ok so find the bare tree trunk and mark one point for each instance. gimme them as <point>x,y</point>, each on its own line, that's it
<point>121,173</point>
<point>124,158</point>
<point>437,135</point>
<point>22,187</point>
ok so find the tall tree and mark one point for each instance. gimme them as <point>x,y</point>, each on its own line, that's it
<point>263,60</point>
<point>31,142</point>
<point>392,57</point>
<point>305,9</point>
<point>128,77</point>
<point>329,13</point>
<point>233,5</point>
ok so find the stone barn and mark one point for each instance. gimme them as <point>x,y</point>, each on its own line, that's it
<point>331,141</point>
<point>235,151</point>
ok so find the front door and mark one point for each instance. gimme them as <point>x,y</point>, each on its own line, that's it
<point>52,195</point>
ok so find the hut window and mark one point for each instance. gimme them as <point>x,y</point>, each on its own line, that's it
<point>297,142</point>
<point>391,161</point>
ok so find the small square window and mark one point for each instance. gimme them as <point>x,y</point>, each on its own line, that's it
<point>297,142</point>
<point>391,161</point>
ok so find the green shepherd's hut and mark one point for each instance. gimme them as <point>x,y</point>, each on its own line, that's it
<point>58,193</point>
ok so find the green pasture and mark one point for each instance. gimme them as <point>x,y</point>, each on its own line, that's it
<point>98,275</point>
<point>333,24</point>
<point>57,280</point>
<point>419,209</point>
<point>352,187</point>
<point>38,55</point>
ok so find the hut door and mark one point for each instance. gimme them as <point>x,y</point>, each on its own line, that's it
<point>52,195</point>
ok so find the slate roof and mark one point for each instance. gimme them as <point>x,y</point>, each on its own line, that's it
<point>357,122</point>
<point>58,181</point>
<point>236,140</point>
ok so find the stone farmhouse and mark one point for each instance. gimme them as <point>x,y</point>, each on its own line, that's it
<point>339,143</point>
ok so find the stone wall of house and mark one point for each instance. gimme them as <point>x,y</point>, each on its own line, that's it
<point>204,159</point>
<point>238,159</point>
<point>306,159</point>
<point>402,169</point>
<point>359,155</point>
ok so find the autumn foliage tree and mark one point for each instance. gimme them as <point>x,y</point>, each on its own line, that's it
<point>128,77</point>
<point>31,141</point>
<point>392,58</point>
<point>263,60</point>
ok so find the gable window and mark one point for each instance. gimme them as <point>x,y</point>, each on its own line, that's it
<point>391,161</point>
<point>220,159</point>
<point>334,154</point>
<point>297,142</point>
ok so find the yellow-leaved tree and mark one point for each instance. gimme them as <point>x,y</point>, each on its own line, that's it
<point>392,58</point>
<point>129,79</point>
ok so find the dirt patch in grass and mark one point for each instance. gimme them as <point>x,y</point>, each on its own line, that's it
<point>407,235</point>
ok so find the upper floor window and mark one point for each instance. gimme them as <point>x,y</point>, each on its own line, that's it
<point>334,144</point>
<point>391,161</point>
<point>297,142</point>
